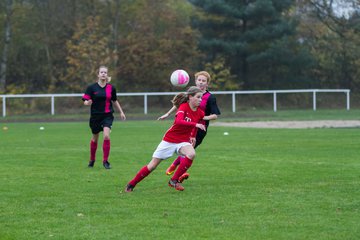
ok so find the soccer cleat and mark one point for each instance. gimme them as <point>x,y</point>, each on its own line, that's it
<point>91,163</point>
<point>106,165</point>
<point>184,177</point>
<point>175,184</point>
<point>171,169</point>
<point>129,188</point>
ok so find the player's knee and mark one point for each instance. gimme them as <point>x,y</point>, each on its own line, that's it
<point>153,164</point>
<point>191,155</point>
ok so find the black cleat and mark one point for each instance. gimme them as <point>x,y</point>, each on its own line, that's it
<point>129,188</point>
<point>91,163</point>
<point>106,165</point>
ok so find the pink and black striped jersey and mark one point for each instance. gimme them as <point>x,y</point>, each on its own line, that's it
<point>102,98</point>
<point>209,106</point>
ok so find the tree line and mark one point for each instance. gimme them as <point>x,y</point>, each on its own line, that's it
<point>51,46</point>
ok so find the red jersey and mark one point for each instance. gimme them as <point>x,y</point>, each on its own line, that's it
<point>184,125</point>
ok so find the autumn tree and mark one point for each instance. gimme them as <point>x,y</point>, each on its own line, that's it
<point>332,34</point>
<point>7,36</point>
<point>157,40</point>
<point>87,50</point>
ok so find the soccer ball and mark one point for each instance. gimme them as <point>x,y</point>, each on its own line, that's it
<point>179,78</point>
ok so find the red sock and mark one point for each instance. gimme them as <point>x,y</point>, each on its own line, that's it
<point>144,171</point>
<point>185,164</point>
<point>93,147</point>
<point>177,160</point>
<point>106,150</point>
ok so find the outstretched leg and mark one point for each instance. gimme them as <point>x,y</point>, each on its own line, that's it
<point>143,173</point>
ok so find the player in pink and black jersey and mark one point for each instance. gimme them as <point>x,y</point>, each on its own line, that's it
<point>101,96</point>
<point>208,105</point>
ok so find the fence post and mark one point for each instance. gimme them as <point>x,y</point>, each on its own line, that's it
<point>233,103</point>
<point>4,106</point>
<point>274,97</point>
<point>145,104</point>
<point>314,100</point>
<point>52,105</point>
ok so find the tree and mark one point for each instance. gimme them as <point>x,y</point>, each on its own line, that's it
<point>116,13</point>
<point>7,38</point>
<point>88,49</point>
<point>59,21</point>
<point>221,78</point>
<point>257,38</point>
<point>158,39</point>
<point>333,35</point>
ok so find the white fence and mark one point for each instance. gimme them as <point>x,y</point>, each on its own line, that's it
<point>146,94</point>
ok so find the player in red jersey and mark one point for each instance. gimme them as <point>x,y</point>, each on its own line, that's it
<point>208,105</point>
<point>101,96</point>
<point>179,138</point>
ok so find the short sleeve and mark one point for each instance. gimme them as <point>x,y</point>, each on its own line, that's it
<point>212,105</point>
<point>87,94</point>
<point>113,94</point>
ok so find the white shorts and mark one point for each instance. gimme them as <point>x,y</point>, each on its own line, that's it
<point>166,149</point>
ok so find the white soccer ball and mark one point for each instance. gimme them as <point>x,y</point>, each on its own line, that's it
<point>179,78</point>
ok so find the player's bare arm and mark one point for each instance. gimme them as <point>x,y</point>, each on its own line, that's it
<point>210,117</point>
<point>118,106</point>
<point>166,115</point>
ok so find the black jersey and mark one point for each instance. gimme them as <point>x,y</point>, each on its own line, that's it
<point>101,97</point>
<point>209,101</point>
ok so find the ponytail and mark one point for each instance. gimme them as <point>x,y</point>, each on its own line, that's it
<point>183,97</point>
<point>179,99</point>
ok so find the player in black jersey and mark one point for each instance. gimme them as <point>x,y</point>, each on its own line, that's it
<point>101,96</point>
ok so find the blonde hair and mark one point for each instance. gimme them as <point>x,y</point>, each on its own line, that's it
<point>204,73</point>
<point>184,96</point>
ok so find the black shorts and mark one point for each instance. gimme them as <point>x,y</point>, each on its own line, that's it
<point>98,122</point>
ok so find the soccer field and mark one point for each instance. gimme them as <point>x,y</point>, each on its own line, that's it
<point>250,184</point>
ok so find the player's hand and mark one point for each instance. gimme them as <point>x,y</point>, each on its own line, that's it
<point>88,102</point>
<point>166,115</point>
<point>193,141</point>
<point>122,116</point>
<point>201,126</point>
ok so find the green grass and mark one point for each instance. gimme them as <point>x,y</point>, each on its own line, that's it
<point>288,115</point>
<point>226,115</point>
<point>252,184</point>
